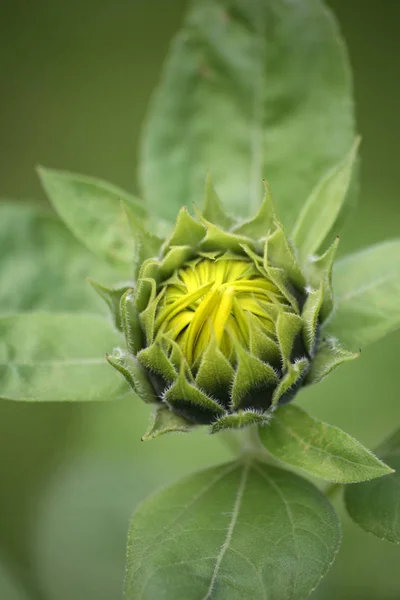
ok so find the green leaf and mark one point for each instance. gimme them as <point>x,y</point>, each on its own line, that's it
<point>367,291</point>
<point>145,244</point>
<point>264,91</point>
<point>241,530</point>
<point>92,210</point>
<point>323,207</point>
<point>42,266</point>
<point>318,448</point>
<point>11,586</point>
<point>375,505</point>
<point>58,357</point>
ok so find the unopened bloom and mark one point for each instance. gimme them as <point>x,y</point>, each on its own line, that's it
<point>222,324</point>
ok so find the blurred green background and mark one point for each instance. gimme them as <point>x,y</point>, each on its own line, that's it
<point>75,79</point>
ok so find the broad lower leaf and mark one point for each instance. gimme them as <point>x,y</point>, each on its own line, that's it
<point>375,505</point>
<point>58,357</point>
<point>323,207</point>
<point>367,291</point>
<point>241,530</point>
<point>92,210</point>
<point>42,266</point>
<point>299,440</point>
<point>264,91</point>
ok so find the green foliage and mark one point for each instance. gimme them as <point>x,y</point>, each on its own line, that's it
<point>42,266</point>
<point>322,209</point>
<point>92,210</point>
<point>251,89</point>
<point>320,449</point>
<point>241,530</point>
<point>10,587</point>
<point>375,505</point>
<point>367,290</point>
<point>57,357</point>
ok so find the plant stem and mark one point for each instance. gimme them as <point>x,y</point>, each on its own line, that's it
<point>244,441</point>
<point>332,490</point>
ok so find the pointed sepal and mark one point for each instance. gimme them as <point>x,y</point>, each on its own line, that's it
<point>187,231</point>
<point>215,373</point>
<point>155,361</point>
<point>164,421</point>
<point>134,373</point>
<point>280,278</point>
<point>288,328</point>
<point>259,226</point>
<point>318,269</point>
<point>254,381</point>
<point>329,355</point>
<point>189,402</point>
<point>148,316</point>
<point>130,322</point>
<point>281,254</point>
<point>261,344</point>
<point>243,418</point>
<point>310,316</point>
<point>217,239</point>
<point>291,382</point>
<point>174,259</point>
<point>177,357</point>
<point>149,273</point>
<point>112,296</point>
<point>213,209</point>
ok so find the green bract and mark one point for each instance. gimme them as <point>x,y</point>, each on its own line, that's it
<point>223,322</point>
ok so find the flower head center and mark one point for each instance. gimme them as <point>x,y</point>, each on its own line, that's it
<point>217,299</point>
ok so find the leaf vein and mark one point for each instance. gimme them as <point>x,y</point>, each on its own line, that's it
<point>275,486</point>
<point>230,530</point>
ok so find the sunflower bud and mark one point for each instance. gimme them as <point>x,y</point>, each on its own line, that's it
<point>223,325</point>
